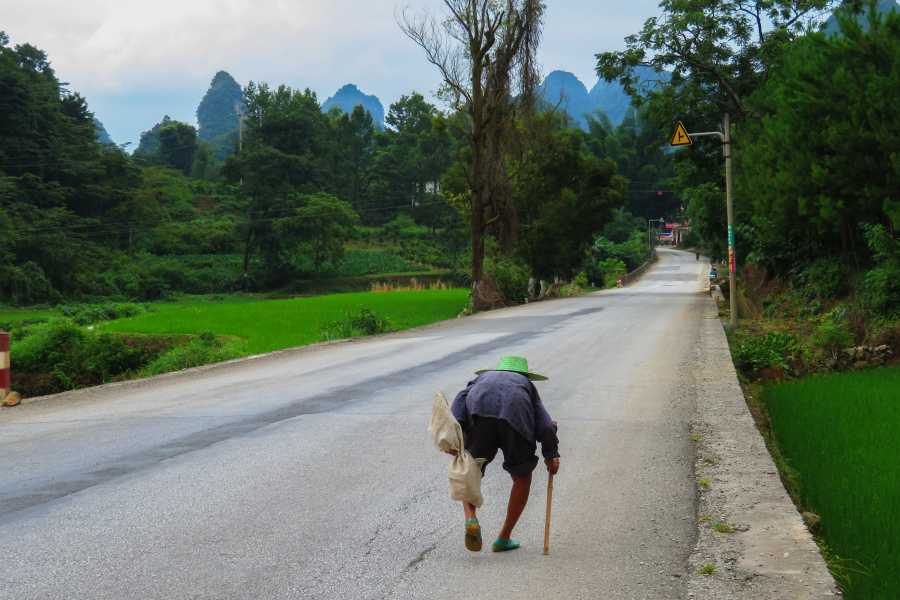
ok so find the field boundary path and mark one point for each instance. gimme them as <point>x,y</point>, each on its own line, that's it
<point>771,554</point>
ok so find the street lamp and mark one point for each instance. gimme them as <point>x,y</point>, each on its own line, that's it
<point>649,240</point>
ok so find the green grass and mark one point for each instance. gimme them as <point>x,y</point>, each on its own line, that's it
<point>269,325</point>
<point>842,435</point>
<point>24,315</point>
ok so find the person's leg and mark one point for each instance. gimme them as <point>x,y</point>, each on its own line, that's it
<point>519,461</point>
<point>482,441</point>
<point>518,498</point>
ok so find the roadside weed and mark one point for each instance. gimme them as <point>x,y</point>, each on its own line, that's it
<point>709,569</point>
<point>723,527</point>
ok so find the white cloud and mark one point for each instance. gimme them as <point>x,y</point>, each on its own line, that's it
<point>138,60</point>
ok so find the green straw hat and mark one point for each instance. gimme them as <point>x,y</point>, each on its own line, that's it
<point>516,364</point>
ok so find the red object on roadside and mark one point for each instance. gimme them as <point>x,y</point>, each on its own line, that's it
<point>4,365</point>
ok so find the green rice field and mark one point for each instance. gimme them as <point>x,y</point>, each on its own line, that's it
<point>269,325</point>
<point>842,434</point>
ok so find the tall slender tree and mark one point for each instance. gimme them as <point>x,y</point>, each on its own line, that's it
<point>486,52</point>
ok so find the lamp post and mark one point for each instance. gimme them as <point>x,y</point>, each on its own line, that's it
<point>683,138</point>
<point>649,239</point>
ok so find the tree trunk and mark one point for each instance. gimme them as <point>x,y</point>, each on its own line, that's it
<point>316,259</point>
<point>532,282</point>
<point>247,253</point>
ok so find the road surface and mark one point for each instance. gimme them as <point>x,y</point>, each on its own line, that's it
<point>310,473</point>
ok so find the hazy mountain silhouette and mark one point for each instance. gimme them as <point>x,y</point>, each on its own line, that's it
<point>831,26</point>
<point>102,134</point>
<point>569,94</point>
<point>349,96</point>
<point>566,92</point>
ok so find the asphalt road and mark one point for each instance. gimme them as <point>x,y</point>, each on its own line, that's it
<point>310,474</point>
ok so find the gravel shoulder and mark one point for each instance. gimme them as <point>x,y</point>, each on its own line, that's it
<point>770,554</point>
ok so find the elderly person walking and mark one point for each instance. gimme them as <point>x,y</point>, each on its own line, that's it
<point>502,410</point>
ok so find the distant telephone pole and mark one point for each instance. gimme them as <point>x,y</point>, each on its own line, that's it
<point>240,115</point>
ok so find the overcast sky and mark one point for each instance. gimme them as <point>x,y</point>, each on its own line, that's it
<point>136,61</point>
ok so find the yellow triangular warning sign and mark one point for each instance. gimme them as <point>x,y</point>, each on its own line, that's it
<point>681,137</point>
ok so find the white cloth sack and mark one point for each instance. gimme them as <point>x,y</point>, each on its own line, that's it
<point>464,470</point>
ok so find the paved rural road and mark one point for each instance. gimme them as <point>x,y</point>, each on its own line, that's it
<point>310,474</point>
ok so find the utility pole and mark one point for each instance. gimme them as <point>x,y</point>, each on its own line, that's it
<point>240,115</point>
<point>683,138</point>
<point>729,193</point>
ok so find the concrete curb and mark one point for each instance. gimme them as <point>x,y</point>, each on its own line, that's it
<point>771,554</point>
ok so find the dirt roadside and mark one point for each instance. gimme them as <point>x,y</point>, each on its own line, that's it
<point>770,554</point>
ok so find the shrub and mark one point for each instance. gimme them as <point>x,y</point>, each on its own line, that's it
<point>86,314</point>
<point>829,277</point>
<point>73,356</point>
<point>831,337</point>
<point>882,289</point>
<point>205,349</point>
<point>772,350</point>
<point>367,322</point>
<point>581,281</point>
<point>510,279</point>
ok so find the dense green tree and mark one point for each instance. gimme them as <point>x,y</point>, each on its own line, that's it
<point>205,165</point>
<point>562,206</point>
<point>355,133</point>
<point>636,149</point>
<point>177,145</point>
<point>413,155</point>
<point>319,229</point>
<point>288,151</point>
<point>149,143</point>
<point>823,160</point>
<point>487,55</point>
<point>698,60</point>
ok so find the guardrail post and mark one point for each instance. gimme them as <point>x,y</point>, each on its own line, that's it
<point>4,367</point>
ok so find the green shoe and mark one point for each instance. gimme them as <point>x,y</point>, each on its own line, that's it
<point>473,535</point>
<point>501,545</point>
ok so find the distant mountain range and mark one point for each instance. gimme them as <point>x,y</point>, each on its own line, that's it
<point>102,134</point>
<point>349,96</point>
<point>217,114</point>
<point>565,91</point>
<point>831,26</point>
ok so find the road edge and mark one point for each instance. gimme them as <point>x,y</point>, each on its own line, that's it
<point>226,364</point>
<point>770,553</point>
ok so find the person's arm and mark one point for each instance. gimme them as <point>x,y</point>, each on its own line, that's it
<point>460,408</point>
<point>544,430</point>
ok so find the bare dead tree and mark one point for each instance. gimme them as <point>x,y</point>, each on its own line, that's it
<point>486,51</point>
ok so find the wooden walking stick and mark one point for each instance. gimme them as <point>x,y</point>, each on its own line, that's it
<point>549,504</point>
